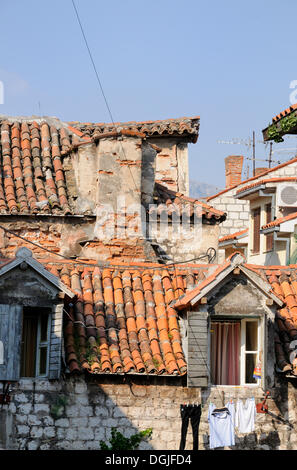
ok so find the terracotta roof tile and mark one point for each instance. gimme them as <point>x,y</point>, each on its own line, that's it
<point>283,282</point>
<point>121,321</point>
<point>284,113</point>
<point>234,236</point>
<point>172,202</point>
<point>266,181</point>
<point>32,179</point>
<point>185,126</point>
<point>231,188</point>
<point>280,220</point>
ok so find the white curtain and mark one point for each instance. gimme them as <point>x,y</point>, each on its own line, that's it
<point>225,353</point>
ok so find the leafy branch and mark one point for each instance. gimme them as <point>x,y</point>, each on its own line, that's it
<point>120,442</point>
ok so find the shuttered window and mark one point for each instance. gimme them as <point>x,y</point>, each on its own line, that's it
<point>269,237</point>
<point>256,230</point>
<point>35,342</point>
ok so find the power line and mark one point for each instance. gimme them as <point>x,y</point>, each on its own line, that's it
<point>92,60</point>
<point>210,255</point>
<point>99,82</point>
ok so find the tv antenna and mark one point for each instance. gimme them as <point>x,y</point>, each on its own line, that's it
<point>251,144</point>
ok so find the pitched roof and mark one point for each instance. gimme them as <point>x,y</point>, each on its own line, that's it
<point>266,181</point>
<point>278,167</point>
<point>171,201</point>
<point>283,280</point>
<point>234,236</point>
<point>32,150</point>
<point>284,113</point>
<point>279,221</point>
<point>187,127</point>
<point>283,123</point>
<point>121,321</point>
<point>279,283</point>
<point>124,318</point>
<point>32,176</point>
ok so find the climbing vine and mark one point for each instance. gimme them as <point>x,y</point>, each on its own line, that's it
<point>288,122</point>
<point>274,134</point>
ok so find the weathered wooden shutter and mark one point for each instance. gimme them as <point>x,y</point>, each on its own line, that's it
<point>269,237</point>
<point>55,352</point>
<point>256,230</point>
<point>10,341</point>
<point>197,349</point>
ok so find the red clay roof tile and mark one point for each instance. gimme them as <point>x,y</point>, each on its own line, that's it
<point>187,127</point>
<point>282,165</point>
<point>280,220</point>
<point>31,157</point>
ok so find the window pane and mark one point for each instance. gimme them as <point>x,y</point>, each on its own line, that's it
<point>250,364</point>
<point>43,327</point>
<point>251,340</point>
<point>42,360</point>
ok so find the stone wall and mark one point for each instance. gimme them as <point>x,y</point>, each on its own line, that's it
<point>172,164</point>
<point>182,243</point>
<point>77,414</point>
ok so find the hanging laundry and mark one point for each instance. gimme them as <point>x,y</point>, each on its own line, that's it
<point>190,413</point>
<point>245,415</point>
<point>221,425</point>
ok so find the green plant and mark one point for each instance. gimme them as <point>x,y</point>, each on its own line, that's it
<point>289,122</point>
<point>57,408</point>
<point>274,134</point>
<point>120,442</point>
<point>156,362</point>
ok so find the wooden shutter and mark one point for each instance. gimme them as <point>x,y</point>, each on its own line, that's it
<point>269,237</point>
<point>10,341</point>
<point>55,352</point>
<point>256,230</point>
<point>197,375</point>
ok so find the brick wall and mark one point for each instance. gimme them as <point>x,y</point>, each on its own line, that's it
<point>233,169</point>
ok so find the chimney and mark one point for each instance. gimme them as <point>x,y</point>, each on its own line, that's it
<point>233,169</point>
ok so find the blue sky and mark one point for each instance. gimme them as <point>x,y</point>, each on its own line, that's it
<point>230,62</point>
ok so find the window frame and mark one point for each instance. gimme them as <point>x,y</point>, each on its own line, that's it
<point>38,312</point>
<point>243,351</point>
<point>256,230</point>
<point>42,344</point>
